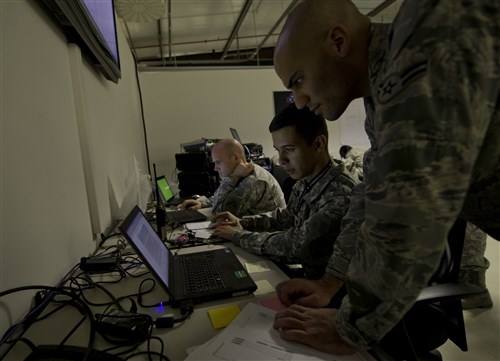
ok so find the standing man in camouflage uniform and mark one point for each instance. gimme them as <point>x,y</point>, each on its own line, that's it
<point>473,265</point>
<point>435,154</point>
<point>246,188</point>
<point>303,232</point>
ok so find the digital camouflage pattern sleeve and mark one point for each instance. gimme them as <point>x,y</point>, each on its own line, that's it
<point>345,245</point>
<point>306,230</point>
<point>257,193</point>
<point>436,124</point>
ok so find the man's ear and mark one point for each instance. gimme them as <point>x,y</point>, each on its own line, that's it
<point>339,41</point>
<point>320,143</point>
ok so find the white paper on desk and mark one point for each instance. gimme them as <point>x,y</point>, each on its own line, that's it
<point>255,267</point>
<point>263,287</point>
<point>203,233</point>
<point>252,337</point>
<point>192,226</point>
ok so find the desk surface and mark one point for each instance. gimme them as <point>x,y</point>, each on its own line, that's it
<point>194,331</point>
<point>198,329</point>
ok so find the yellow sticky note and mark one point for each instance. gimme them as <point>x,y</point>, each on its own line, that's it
<point>221,317</point>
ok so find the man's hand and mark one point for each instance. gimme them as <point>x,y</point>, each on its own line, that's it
<point>225,232</point>
<point>312,327</point>
<point>224,224</point>
<point>191,204</point>
<point>311,293</point>
<point>225,219</point>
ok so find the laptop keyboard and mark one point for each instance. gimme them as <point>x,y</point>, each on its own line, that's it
<point>185,215</point>
<point>200,273</point>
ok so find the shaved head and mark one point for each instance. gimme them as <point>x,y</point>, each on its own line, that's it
<point>229,146</point>
<point>227,154</point>
<point>322,55</point>
<point>310,20</point>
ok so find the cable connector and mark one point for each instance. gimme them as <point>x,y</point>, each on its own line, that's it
<point>100,263</point>
<point>186,307</point>
<point>164,322</point>
<point>39,297</point>
<point>124,326</point>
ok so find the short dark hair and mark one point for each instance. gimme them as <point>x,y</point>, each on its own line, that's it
<point>307,124</point>
<point>344,150</point>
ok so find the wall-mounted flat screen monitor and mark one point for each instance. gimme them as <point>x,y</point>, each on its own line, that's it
<point>91,24</point>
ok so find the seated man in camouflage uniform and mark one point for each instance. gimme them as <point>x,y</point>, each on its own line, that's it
<point>353,159</point>
<point>303,232</point>
<point>246,188</point>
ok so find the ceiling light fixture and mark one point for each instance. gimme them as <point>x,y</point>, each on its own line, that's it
<point>140,11</point>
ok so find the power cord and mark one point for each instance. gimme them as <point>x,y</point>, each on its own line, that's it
<point>141,293</point>
<point>186,309</point>
<point>130,328</point>
<point>124,327</point>
<point>41,301</point>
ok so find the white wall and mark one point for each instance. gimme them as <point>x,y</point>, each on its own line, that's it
<point>184,105</point>
<point>45,224</point>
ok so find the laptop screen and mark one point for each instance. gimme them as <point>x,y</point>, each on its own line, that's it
<point>164,187</point>
<point>148,244</point>
<point>235,134</point>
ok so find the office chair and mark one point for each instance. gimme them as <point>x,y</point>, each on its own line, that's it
<point>437,314</point>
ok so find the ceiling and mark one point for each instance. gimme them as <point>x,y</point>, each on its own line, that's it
<point>207,33</point>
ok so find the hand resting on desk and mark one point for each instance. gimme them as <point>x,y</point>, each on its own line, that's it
<point>306,292</point>
<point>314,327</point>
<point>191,204</point>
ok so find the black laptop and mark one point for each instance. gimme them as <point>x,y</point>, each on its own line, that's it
<point>185,215</point>
<point>166,193</point>
<point>197,277</point>
<point>182,215</point>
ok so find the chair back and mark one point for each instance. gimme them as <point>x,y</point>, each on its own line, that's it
<point>437,315</point>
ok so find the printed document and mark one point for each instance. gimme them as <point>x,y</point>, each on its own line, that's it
<point>251,337</point>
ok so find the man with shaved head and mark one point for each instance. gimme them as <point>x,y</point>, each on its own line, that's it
<point>246,188</point>
<point>431,86</point>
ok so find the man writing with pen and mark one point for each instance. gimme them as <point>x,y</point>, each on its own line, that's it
<point>304,231</point>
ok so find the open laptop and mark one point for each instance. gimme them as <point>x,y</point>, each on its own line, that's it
<point>185,215</point>
<point>235,134</point>
<point>166,193</point>
<point>180,216</point>
<point>225,276</point>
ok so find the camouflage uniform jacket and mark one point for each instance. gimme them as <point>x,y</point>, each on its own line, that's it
<point>303,232</point>
<point>256,193</point>
<point>434,122</point>
<point>354,162</point>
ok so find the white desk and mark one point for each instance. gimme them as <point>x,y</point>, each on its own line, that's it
<point>198,328</point>
<point>194,331</point>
